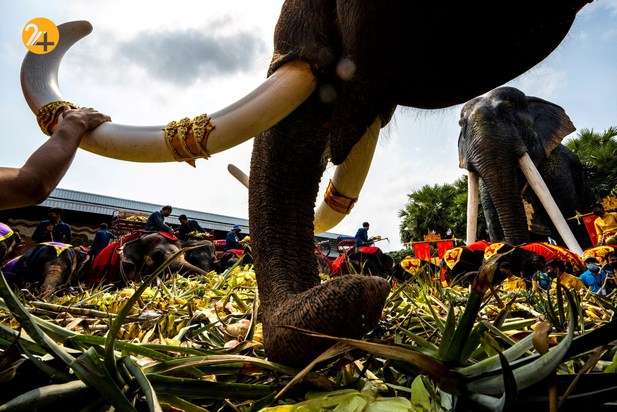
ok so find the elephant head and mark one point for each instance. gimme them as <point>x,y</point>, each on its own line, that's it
<point>201,253</point>
<point>503,135</point>
<point>141,257</point>
<point>339,69</point>
<point>49,265</point>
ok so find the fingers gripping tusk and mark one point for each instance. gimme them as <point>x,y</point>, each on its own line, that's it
<point>472,206</point>
<point>541,190</point>
<point>347,182</point>
<point>265,106</point>
<point>238,174</point>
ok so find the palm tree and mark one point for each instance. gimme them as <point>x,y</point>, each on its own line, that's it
<point>598,154</point>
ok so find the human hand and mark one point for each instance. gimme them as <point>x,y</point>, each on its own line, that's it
<point>50,228</point>
<point>84,118</point>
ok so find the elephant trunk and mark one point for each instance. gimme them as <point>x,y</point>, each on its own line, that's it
<point>53,276</point>
<point>500,188</point>
<point>181,265</point>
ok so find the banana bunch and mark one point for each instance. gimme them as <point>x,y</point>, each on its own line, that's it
<point>137,219</point>
<point>258,335</point>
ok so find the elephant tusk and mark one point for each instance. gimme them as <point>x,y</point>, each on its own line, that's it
<point>541,190</point>
<point>265,106</point>
<point>347,182</point>
<point>472,206</point>
<point>239,174</point>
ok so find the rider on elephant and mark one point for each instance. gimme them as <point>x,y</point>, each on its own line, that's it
<point>232,241</point>
<point>605,224</point>
<point>156,223</point>
<point>54,229</point>
<point>101,240</point>
<point>188,228</point>
<point>361,237</point>
<point>557,271</point>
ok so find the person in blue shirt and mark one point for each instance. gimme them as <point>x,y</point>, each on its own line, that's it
<point>54,229</point>
<point>232,241</point>
<point>361,237</point>
<point>156,223</point>
<point>188,228</point>
<point>101,240</point>
<point>541,279</point>
<point>594,276</point>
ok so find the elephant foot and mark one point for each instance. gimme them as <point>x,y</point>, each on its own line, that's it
<point>347,306</point>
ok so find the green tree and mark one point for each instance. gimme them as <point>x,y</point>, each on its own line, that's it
<point>598,154</point>
<point>441,209</point>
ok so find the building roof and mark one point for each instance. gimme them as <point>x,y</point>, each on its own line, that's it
<point>106,205</point>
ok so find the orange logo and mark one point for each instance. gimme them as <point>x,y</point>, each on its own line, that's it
<point>40,35</point>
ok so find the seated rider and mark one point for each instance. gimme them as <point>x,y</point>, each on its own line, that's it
<point>232,241</point>
<point>362,238</point>
<point>156,223</point>
<point>188,228</point>
<point>605,224</point>
<point>101,240</point>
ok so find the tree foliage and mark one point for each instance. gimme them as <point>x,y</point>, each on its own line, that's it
<point>441,209</point>
<point>598,154</point>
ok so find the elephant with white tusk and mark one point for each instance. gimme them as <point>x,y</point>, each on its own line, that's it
<point>508,139</point>
<point>339,69</point>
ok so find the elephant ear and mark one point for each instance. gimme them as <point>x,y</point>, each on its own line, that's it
<point>551,124</point>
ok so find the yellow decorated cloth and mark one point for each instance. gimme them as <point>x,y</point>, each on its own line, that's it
<point>453,256</point>
<point>599,252</point>
<point>411,265</point>
<point>606,224</point>
<point>60,247</point>
<point>513,283</point>
<point>492,249</point>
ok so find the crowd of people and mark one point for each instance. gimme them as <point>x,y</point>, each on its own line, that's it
<point>601,279</point>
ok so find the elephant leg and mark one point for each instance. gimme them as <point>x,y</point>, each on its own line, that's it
<point>495,230</point>
<point>287,164</point>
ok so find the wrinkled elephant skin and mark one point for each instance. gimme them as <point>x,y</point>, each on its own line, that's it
<point>143,256</point>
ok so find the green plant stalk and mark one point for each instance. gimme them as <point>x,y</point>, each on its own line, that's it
<point>46,396</point>
<point>114,328</point>
<point>446,337</point>
<point>180,403</point>
<point>251,333</point>
<point>153,403</point>
<point>464,328</point>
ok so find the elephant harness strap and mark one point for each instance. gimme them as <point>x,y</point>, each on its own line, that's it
<point>162,234</point>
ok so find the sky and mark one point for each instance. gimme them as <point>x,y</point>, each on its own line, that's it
<point>147,63</point>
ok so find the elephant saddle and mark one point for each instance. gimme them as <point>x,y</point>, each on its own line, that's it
<point>106,264</point>
<point>368,250</point>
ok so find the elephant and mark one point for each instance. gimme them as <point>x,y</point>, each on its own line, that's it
<point>461,261</point>
<point>499,129</point>
<point>142,256</point>
<point>372,261</point>
<point>49,265</point>
<point>203,256</point>
<point>410,266</point>
<point>338,72</point>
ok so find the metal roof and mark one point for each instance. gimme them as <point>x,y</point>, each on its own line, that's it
<point>106,205</point>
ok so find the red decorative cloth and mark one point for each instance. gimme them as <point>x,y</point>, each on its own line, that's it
<point>318,252</point>
<point>541,249</point>
<point>591,228</point>
<point>237,252</point>
<point>442,247</point>
<point>368,250</point>
<point>168,235</point>
<point>422,250</point>
<point>106,264</point>
<point>479,245</point>
<point>336,269</point>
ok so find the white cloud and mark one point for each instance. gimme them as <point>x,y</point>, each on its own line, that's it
<point>609,34</point>
<point>542,81</point>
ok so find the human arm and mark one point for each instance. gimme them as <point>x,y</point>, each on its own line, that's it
<point>40,233</point>
<point>599,232</point>
<point>38,177</point>
<point>68,234</point>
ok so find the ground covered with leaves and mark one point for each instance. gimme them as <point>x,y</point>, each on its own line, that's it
<point>193,344</point>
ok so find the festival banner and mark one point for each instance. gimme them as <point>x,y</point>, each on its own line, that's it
<point>591,228</point>
<point>443,246</point>
<point>422,250</point>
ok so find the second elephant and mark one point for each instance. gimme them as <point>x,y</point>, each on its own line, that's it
<point>499,129</point>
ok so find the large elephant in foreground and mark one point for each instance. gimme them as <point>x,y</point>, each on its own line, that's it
<point>499,129</point>
<point>339,69</point>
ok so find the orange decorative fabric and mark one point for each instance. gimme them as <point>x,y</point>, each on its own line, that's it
<point>337,202</point>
